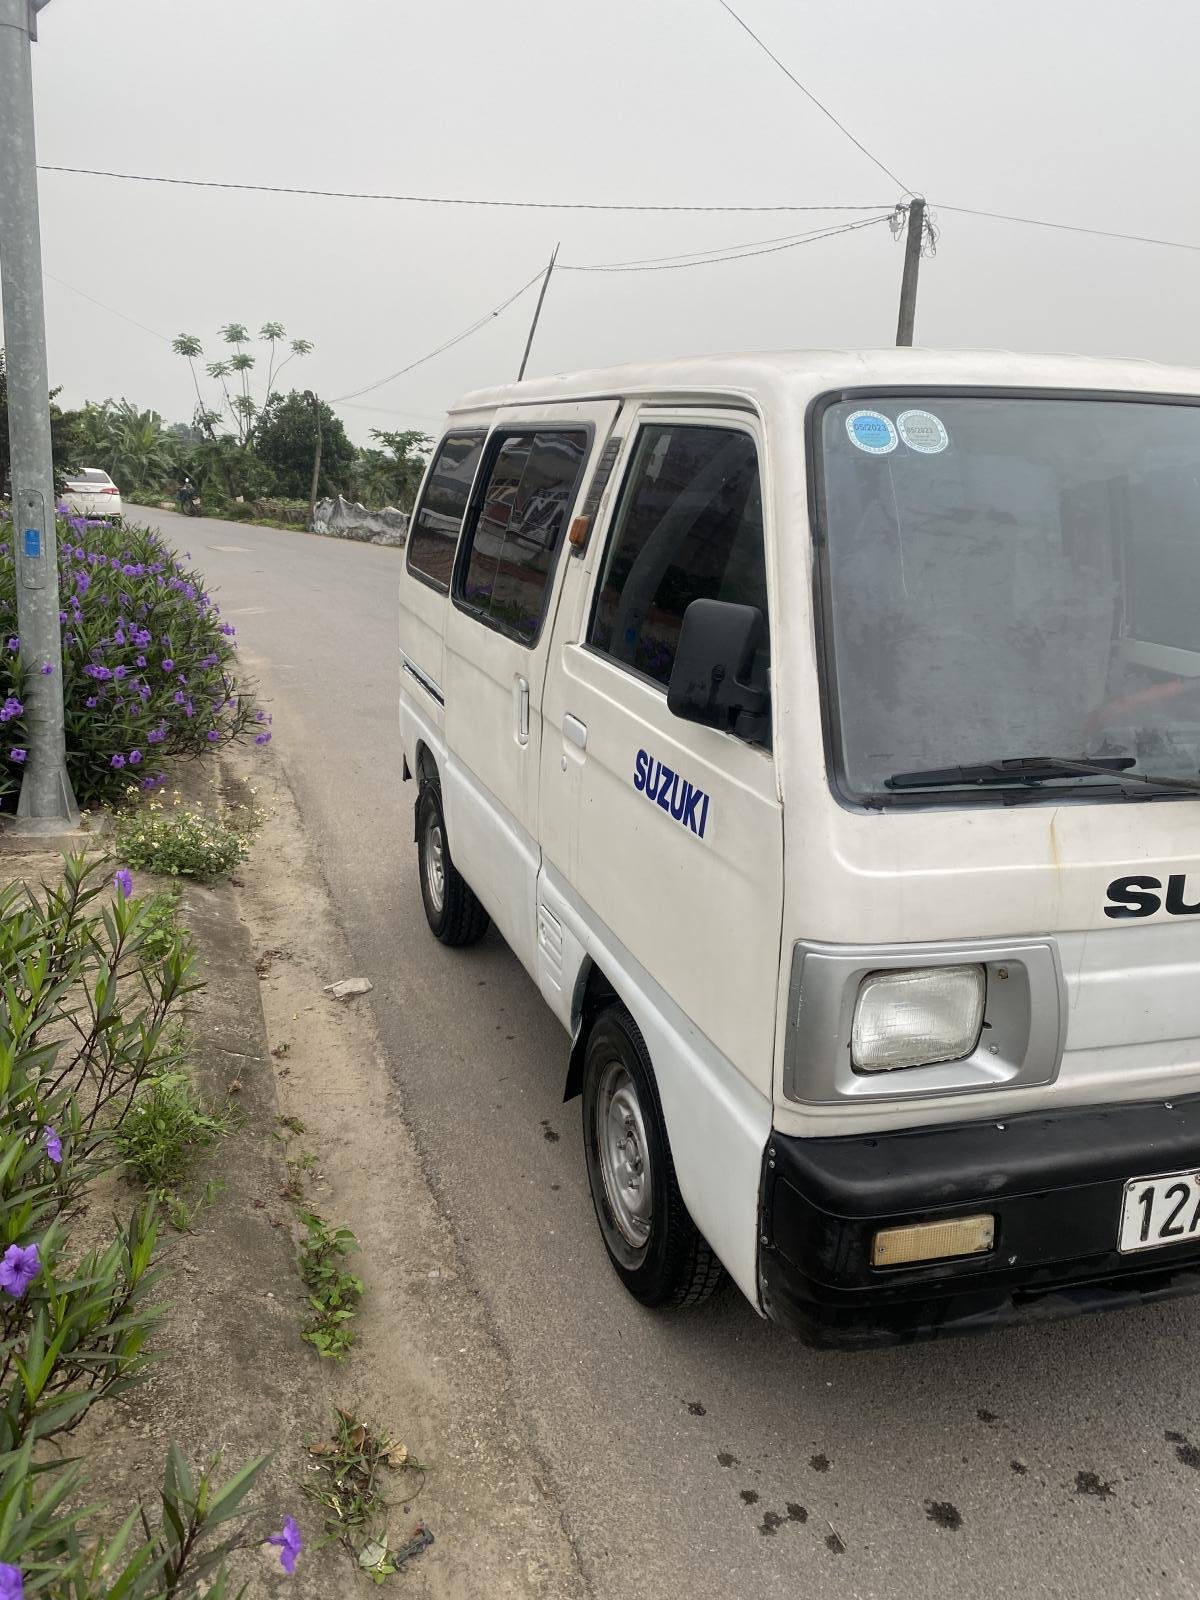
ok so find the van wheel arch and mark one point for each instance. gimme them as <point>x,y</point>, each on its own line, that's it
<point>593,992</point>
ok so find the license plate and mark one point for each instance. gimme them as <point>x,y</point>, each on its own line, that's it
<point>1160,1211</point>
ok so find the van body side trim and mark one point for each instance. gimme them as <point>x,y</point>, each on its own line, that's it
<point>426,682</point>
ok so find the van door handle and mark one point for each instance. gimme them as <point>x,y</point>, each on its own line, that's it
<point>522,710</point>
<point>575,731</point>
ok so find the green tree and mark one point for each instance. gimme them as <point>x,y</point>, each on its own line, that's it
<point>391,476</point>
<point>132,446</point>
<point>286,438</point>
<point>240,406</point>
<point>64,435</point>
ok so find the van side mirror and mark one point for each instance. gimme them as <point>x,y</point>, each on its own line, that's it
<point>713,659</point>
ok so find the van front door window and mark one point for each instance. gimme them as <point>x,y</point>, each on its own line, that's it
<point>688,527</point>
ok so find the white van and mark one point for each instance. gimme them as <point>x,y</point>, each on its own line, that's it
<point>822,732</point>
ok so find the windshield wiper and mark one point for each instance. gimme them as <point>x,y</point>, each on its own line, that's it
<point>1037,769</point>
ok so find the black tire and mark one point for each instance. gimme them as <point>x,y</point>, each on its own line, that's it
<point>672,1266</point>
<point>454,915</point>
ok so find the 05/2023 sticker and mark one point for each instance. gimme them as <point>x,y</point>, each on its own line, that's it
<point>872,431</point>
<point>922,432</point>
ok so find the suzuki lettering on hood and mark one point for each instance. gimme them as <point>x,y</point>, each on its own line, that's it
<point>1142,897</point>
<point>674,794</point>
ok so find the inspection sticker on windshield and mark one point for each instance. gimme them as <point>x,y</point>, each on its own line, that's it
<point>922,431</point>
<point>872,431</point>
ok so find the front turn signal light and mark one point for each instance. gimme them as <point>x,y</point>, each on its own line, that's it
<point>933,1241</point>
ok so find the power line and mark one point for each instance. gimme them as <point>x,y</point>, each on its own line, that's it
<point>428,199</point>
<point>583,205</point>
<point>710,259</point>
<point>480,322</point>
<point>62,282</point>
<point>824,109</point>
<point>1071,227</point>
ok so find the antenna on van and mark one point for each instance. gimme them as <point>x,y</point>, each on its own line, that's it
<point>537,310</point>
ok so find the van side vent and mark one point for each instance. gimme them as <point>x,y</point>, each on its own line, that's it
<point>550,942</point>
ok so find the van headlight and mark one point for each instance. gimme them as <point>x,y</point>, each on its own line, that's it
<point>917,1017</point>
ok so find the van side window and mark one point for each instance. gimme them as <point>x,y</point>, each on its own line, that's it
<point>688,527</point>
<point>509,558</point>
<point>436,522</point>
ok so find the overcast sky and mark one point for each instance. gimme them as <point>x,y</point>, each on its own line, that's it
<point>1072,111</point>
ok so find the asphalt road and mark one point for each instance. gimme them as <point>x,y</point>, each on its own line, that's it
<point>710,1454</point>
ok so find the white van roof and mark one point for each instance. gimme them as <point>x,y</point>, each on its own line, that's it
<point>758,373</point>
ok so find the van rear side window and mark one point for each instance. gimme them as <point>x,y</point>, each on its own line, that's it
<point>437,521</point>
<point>689,527</point>
<point>510,556</point>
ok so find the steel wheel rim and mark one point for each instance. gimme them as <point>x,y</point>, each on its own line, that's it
<point>624,1156</point>
<point>435,865</point>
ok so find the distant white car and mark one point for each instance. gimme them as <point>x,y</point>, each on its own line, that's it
<point>92,493</point>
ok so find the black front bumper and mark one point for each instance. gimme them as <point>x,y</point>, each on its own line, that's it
<point>1054,1183</point>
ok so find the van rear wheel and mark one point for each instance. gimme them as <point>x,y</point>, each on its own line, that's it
<point>652,1242</point>
<point>453,913</point>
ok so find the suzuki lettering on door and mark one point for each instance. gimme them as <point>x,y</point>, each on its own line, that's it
<point>1142,897</point>
<point>668,789</point>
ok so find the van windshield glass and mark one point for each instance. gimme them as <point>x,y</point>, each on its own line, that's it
<point>1012,577</point>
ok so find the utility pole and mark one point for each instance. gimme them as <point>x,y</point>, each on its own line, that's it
<point>914,239</point>
<point>47,803</point>
<point>316,473</point>
<point>537,311</point>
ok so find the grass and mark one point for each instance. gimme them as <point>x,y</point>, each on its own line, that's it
<point>351,1494</point>
<point>166,1128</point>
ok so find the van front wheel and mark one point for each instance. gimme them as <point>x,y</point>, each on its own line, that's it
<point>652,1242</point>
<point>453,913</point>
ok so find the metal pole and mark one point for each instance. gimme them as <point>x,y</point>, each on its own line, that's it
<point>912,265</point>
<point>537,311</point>
<point>47,802</point>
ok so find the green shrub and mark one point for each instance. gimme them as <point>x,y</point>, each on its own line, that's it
<point>89,989</point>
<point>148,665</point>
<point>185,841</point>
<point>334,1293</point>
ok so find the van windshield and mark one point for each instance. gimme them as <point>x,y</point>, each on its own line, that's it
<point>1011,577</point>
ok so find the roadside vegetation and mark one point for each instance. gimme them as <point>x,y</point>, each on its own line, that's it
<point>148,664</point>
<point>93,984</point>
<point>251,460</point>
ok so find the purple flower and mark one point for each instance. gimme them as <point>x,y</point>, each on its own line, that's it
<point>289,1542</point>
<point>123,882</point>
<point>121,672</point>
<point>13,645</point>
<point>99,673</point>
<point>180,697</point>
<point>189,709</point>
<point>47,669</point>
<point>213,735</point>
<point>135,758</point>
<point>118,761</point>
<point>119,636</point>
<point>141,661</point>
<point>168,665</point>
<point>262,738</point>
<point>17,755</point>
<point>156,735</point>
<point>53,1145</point>
<point>19,1268</point>
<point>11,1585</point>
<point>91,702</point>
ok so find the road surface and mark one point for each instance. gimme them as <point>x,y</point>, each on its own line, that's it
<point>708,1455</point>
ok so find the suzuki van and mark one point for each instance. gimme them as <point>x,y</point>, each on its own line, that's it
<point>822,732</point>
